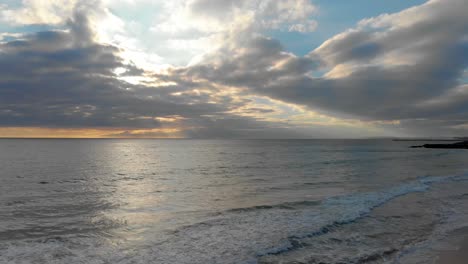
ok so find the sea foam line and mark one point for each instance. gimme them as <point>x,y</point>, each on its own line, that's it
<point>357,206</point>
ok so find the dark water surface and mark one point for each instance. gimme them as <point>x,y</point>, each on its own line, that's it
<point>227,201</point>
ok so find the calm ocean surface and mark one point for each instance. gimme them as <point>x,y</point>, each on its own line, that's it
<point>228,201</point>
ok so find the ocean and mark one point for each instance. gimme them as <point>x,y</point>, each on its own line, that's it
<point>228,201</point>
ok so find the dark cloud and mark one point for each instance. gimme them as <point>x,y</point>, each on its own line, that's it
<point>66,79</point>
<point>406,66</point>
<point>392,67</point>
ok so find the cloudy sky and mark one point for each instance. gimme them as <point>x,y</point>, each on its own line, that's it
<point>233,68</point>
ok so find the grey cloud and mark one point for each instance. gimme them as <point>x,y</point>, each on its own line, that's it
<point>237,127</point>
<point>214,8</point>
<point>431,53</point>
<point>259,110</point>
<point>291,15</point>
<point>66,79</point>
<point>412,33</point>
<point>252,129</point>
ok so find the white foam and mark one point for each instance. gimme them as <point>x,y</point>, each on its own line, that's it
<point>233,237</point>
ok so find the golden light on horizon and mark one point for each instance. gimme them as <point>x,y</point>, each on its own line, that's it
<point>40,132</point>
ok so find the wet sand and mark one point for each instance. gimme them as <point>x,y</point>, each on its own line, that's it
<point>459,254</point>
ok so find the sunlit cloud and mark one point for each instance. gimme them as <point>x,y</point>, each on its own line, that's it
<point>205,68</point>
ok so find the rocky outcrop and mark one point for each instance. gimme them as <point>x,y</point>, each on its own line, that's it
<point>458,145</point>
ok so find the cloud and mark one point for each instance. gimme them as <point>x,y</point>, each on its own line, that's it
<point>66,79</point>
<point>182,30</point>
<point>292,15</point>
<point>395,73</point>
<point>152,133</point>
<point>38,12</point>
<point>392,67</point>
<point>308,26</point>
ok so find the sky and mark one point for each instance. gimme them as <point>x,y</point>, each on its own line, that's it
<point>233,68</point>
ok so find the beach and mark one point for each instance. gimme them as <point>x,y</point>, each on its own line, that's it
<point>459,253</point>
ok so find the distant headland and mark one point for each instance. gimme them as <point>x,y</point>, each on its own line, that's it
<point>457,145</point>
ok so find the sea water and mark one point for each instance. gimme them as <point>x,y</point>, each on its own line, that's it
<point>227,201</point>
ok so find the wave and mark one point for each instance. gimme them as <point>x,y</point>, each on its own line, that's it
<point>357,206</point>
<point>287,206</point>
<point>239,235</point>
<point>280,228</point>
